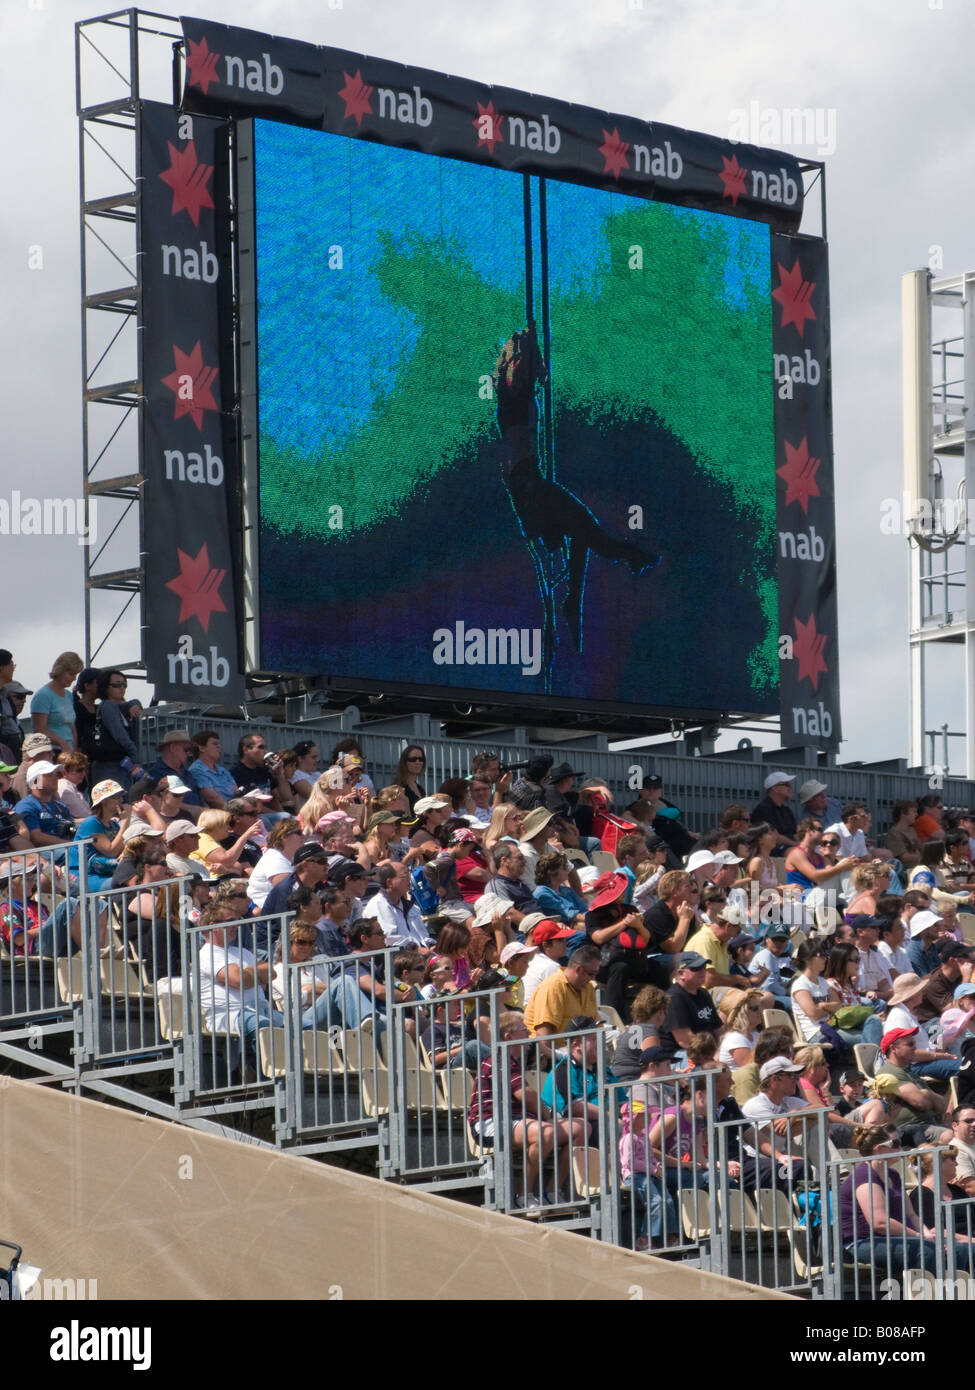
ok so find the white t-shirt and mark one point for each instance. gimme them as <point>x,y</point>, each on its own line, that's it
<point>897,960</point>
<point>761,1108</point>
<point>735,1040</point>
<point>404,929</point>
<point>900,1016</point>
<point>220,1003</point>
<point>310,976</point>
<point>539,969</point>
<point>272,861</point>
<point>874,972</point>
<point>809,1027</point>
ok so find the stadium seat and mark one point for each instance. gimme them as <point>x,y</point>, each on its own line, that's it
<point>695,1212</point>
<point>585,1171</point>
<point>966,921</point>
<point>610,1016</point>
<point>778,1018</point>
<point>578,856</point>
<point>866,1057</point>
<point>363,1058</point>
<point>605,862</point>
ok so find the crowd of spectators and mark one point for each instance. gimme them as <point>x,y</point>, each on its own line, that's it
<point>681,943</point>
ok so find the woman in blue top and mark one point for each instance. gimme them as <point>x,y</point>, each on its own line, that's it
<point>103,830</point>
<point>804,866</point>
<point>52,708</point>
<point>552,891</point>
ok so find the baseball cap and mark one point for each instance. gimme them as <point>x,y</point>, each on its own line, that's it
<point>8,767</point>
<point>860,921</point>
<point>174,786</point>
<point>776,779</point>
<point>37,743</point>
<point>962,990</point>
<point>15,688</point>
<point>777,934</point>
<point>656,1053</point>
<point>180,827</point>
<point>516,948</point>
<point>345,869</point>
<point>463,836</point>
<point>742,939</point>
<point>311,851</point>
<point>691,960</point>
<point>581,1022</point>
<point>725,856</point>
<point>136,828</point>
<point>922,920</point>
<point>39,770</point>
<point>776,1064</point>
<point>547,930</point>
<point>895,1035</point>
<point>810,789</point>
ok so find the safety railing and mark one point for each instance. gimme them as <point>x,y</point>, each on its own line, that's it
<point>235,1045</point>
<point>336,1049</point>
<point>660,1168</point>
<point>43,949</point>
<point>548,1127</point>
<point>769,1173</point>
<point>439,1048</point>
<point>134,974</point>
<point>892,1225</point>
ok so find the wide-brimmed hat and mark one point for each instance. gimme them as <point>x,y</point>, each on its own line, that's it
<point>906,986</point>
<point>101,791</point>
<point>535,822</point>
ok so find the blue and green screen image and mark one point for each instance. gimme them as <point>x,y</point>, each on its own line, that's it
<point>515,436</point>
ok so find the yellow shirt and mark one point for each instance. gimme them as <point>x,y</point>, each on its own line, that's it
<point>205,845</point>
<point>707,944</point>
<point>555,1002</point>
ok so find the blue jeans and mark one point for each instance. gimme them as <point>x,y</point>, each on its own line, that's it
<point>942,1068</point>
<point>909,1253</point>
<point>472,1055</point>
<point>651,1194</point>
<point>54,938</point>
<point>352,1003</point>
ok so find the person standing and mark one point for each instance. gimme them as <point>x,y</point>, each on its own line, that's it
<point>52,708</point>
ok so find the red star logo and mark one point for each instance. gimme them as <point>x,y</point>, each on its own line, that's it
<point>201,66</point>
<point>614,151</point>
<point>799,472</point>
<point>188,180</point>
<point>356,96</point>
<point>794,294</point>
<point>808,650</point>
<point>192,384</point>
<point>488,124</point>
<point>198,587</point>
<point>732,176</point>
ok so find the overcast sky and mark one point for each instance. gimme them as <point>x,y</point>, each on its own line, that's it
<point>893,76</point>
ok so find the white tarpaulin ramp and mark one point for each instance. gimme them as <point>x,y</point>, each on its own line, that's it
<point>153,1210</point>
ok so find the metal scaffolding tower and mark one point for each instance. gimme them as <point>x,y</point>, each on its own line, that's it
<point>938,317</point>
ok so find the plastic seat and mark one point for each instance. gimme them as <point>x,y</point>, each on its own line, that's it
<point>778,1018</point>
<point>585,1171</point>
<point>610,1016</point>
<point>605,862</point>
<point>577,856</point>
<point>966,921</point>
<point>695,1212</point>
<point>866,1057</point>
<point>363,1058</point>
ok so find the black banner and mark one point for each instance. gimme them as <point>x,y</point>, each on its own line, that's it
<point>237,72</point>
<point>189,444</point>
<point>808,645</point>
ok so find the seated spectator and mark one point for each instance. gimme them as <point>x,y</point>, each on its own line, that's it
<point>916,1110</point>
<point>46,820</point>
<point>409,969</point>
<point>37,748</point>
<point>400,919</point>
<point>956,865</point>
<point>928,873</point>
<point>851,1085</point>
<point>13,832</point>
<point>649,874</point>
<point>258,770</point>
<point>776,1097</point>
<point>569,994</point>
<point>572,1086</point>
<point>877,1226</point>
<point>181,839</point>
<point>135,840</point>
<point>308,869</point>
<point>774,811</point>
<point>312,980</point>
<point>527,791</point>
<point>508,883</point>
<point>845,976</point>
<point>702,1051</point>
<point>549,938</point>
<point>535,1128</point>
<point>691,1008</point>
<point>384,829</point>
<point>870,882</point>
<point>306,769</point>
<point>813,1002</point>
<point>814,1086</point>
<point>640,1166</point>
<point>930,814</point>
<point>760,868</point>
<point>505,824</point>
<point>741,951</point>
<point>807,868</point>
<point>679,1140</point>
<point>454,1040</point>
<point>958,1022</point>
<point>452,943</point>
<point>515,958</point>
<point>926,929</point>
<point>711,941</point>
<point>901,840</point>
<point>774,1042</point>
<point>926,1198</point>
<point>74,773</point>
<point>223,841</point>
<point>215,782</point>
<point>620,932</point>
<point>275,864</point>
<point>891,942</point>
<point>647,1012</point>
<point>358,989</point>
<point>104,832</point>
<point>671,920</point>
<point>963,1142</point>
<point>430,812</point>
<point>743,1031</point>
<point>772,967</point>
<point>152,917</point>
<point>552,892</point>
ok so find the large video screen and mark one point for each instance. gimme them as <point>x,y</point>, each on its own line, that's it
<point>515,436</point>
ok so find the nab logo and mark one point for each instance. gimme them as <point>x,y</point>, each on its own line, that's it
<point>408,107</point>
<point>794,294</point>
<point>249,74</point>
<point>543,136</point>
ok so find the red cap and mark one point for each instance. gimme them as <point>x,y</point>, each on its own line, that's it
<point>608,888</point>
<point>895,1035</point>
<point>550,931</point>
